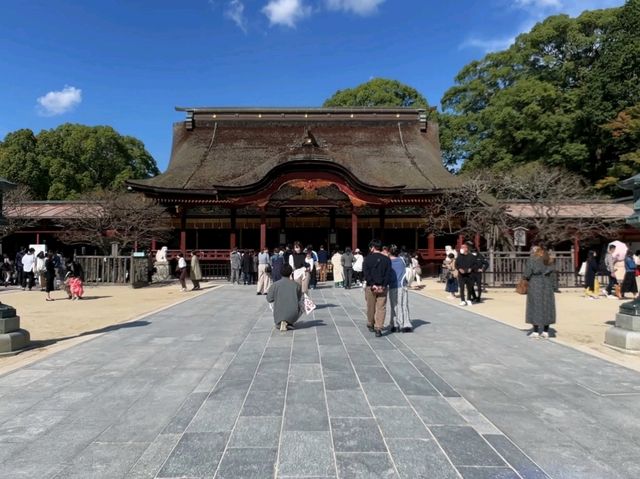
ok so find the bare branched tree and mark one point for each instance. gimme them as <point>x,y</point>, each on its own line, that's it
<point>105,217</point>
<point>16,211</point>
<point>554,205</point>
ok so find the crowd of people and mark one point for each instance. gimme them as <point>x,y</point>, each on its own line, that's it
<point>286,275</point>
<point>621,267</point>
<point>463,272</point>
<point>48,270</point>
<point>345,266</point>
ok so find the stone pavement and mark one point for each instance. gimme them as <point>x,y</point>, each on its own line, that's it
<point>209,389</point>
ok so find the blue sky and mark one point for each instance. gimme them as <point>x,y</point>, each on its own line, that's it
<point>127,63</point>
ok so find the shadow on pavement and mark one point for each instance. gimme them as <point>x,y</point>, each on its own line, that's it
<point>416,323</point>
<point>327,305</point>
<point>106,329</point>
<point>309,324</point>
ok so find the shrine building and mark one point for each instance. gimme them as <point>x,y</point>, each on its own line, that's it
<point>256,177</point>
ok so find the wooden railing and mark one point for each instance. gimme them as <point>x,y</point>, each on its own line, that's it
<point>114,270</point>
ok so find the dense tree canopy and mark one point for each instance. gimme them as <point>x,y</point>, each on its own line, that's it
<point>67,161</point>
<point>378,92</point>
<point>548,97</point>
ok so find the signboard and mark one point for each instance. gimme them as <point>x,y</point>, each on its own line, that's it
<point>520,237</point>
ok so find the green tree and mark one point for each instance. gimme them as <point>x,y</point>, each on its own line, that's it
<point>546,97</point>
<point>69,160</point>
<point>378,92</point>
<point>625,131</point>
<point>19,162</point>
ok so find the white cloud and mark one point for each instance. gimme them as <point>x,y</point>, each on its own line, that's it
<point>488,45</point>
<point>59,102</point>
<point>360,7</point>
<point>235,11</point>
<point>286,12</point>
<point>539,3</point>
<point>535,11</point>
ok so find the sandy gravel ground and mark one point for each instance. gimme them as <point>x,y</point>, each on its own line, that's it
<point>63,323</point>
<point>581,323</point>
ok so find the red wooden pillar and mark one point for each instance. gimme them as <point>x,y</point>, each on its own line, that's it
<point>460,241</point>
<point>354,230</point>
<point>263,231</point>
<point>154,246</point>
<point>476,241</point>
<point>183,241</point>
<point>576,251</point>
<point>37,238</point>
<point>431,246</point>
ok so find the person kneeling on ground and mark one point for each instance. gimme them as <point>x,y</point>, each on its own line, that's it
<point>285,294</point>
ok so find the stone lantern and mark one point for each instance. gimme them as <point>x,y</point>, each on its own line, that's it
<point>13,339</point>
<point>625,334</point>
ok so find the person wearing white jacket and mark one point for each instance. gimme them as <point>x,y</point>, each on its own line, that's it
<point>28,266</point>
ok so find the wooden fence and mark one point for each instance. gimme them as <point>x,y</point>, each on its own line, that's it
<point>507,267</point>
<point>114,270</point>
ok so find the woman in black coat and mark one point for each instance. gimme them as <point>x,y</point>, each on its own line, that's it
<point>590,275</point>
<point>50,275</point>
<point>541,303</point>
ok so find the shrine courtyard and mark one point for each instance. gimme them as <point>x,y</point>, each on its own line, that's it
<point>208,388</point>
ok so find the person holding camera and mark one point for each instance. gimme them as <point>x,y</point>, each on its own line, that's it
<point>376,270</point>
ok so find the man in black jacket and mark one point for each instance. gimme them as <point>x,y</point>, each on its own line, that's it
<point>480,264</point>
<point>376,268</point>
<point>464,265</point>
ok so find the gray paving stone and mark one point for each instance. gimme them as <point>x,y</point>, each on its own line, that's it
<point>515,457</point>
<point>230,389</point>
<point>186,413</point>
<point>347,403</point>
<point>31,469</point>
<point>256,432</point>
<point>436,381</point>
<point>436,411</point>
<point>488,473</point>
<point>101,460</point>
<point>376,374</point>
<point>252,463</point>
<point>270,381</point>
<point>128,385</point>
<point>306,354</point>
<point>420,458</point>
<point>400,422</point>
<point>306,453</point>
<point>153,457</point>
<point>29,425</point>
<point>357,435</point>
<point>306,417</point>
<point>465,447</point>
<point>365,465</point>
<point>263,403</point>
<point>473,416</point>
<point>305,372</point>
<point>384,394</point>
<point>216,416</point>
<point>414,385</point>
<point>196,455</point>
<point>340,380</point>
